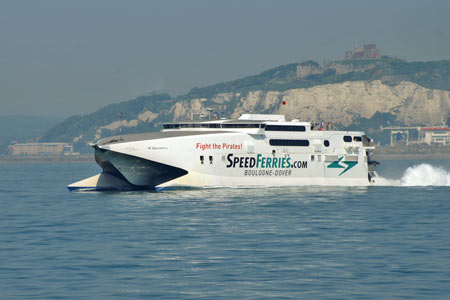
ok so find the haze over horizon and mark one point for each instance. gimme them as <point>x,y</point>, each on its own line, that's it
<point>60,58</point>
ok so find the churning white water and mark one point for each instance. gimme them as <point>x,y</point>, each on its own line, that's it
<point>425,174</point>
<point>419,175</point>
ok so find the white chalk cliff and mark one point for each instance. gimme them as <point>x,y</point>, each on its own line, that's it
<point>338,103</point>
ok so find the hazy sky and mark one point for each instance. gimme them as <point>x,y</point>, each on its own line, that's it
<point>59,58</point>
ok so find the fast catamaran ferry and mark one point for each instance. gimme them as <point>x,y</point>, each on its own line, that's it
<point>254,150</point>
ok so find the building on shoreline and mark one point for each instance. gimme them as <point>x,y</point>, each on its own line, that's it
<point>433,136</point>
<point>436,135</point>
<point>41,149</point>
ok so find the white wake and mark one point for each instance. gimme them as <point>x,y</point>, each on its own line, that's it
<point>422,175</point>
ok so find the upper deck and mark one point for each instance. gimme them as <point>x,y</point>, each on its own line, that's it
<point>256,124</point>
<point>272,126</point>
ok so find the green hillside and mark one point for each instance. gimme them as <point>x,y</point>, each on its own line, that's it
<point>85,126</point>
<point>433,75</point>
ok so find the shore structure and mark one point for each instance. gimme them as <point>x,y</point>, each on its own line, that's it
<point>41,149</point>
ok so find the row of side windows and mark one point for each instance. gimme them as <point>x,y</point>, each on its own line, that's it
<point>193,125</point>
<point>348,139</point>
<point>295,128</point>
<point>210,125</point>
<point>295,143</point>
<point>285,128</point>
<point>240,125</point>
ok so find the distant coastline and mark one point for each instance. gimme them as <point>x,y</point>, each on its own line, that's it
<point>412,152</point>
<point>412,156</point>
<point>46,159</point>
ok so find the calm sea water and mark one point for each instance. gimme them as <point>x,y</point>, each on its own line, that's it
<point>267,243</point>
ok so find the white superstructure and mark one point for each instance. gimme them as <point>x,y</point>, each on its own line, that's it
<point>253,150</point>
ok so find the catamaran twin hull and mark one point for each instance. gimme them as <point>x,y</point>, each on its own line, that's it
<point>244,152</point>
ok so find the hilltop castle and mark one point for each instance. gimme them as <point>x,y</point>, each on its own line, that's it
<point>367,52</point>
<point>358,60</point>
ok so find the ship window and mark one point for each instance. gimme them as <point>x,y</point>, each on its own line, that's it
<point>285,128</point>
<point>326,143</point>
<point>312,157</point>
<point>210,159</point>
<point>214,125</point>
<point>240,125</point>
<point>294,143</point>
<point>171,126</point>
<point>347,138</point>
<point>262,126</point>
<point>202,159</point>
<point>357,139</point>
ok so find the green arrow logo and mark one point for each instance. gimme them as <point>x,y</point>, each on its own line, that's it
<point>336,165</point>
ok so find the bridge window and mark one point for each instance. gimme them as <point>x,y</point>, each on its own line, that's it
<point>347,139</point>
<point>289,143</point>
<point>285,128</point>
<point>357,139</point>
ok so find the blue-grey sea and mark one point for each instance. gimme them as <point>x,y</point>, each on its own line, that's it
<point>386,242</point>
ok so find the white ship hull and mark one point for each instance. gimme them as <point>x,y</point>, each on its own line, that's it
<point>212,157</point>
